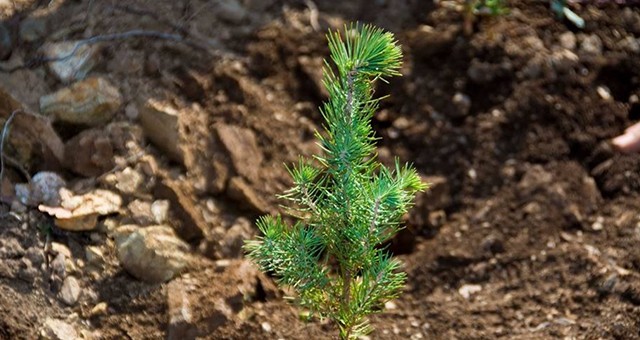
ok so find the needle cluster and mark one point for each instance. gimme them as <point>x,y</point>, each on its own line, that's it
<point>346,204</point>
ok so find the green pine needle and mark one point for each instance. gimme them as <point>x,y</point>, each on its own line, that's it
<point>347,203</point>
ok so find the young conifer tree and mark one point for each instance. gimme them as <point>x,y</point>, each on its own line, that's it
<point>346,203</point>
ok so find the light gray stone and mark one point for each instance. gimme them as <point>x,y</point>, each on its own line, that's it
<point>70,291</point>
<point>54,329</point>
<point>153,254</point>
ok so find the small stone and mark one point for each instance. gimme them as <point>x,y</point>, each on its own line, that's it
<point>93,101</point>
<point>45,187</point>
<point>266,327</point>
<point>54,329</point>
<point>160,210</point>
<point>467,290</point>
<point>160,124</point>
<point>131,111</point>
<point>591,44</point>
<point>32,29</point>
<point>390,305</point>
<point>59,248</point>
<point>98,310</point>
<point>94,256</point>
<point>128,180</point>
<point>604,93</point>
<point>231,11</point>
<point>462,102</point>
<point>78,60</point>
<point>70,291</point>
<point>153,254</point>
<point>59,268</point>
<point>568,40</point>
<point>140,211</point>
<point>598,224</point>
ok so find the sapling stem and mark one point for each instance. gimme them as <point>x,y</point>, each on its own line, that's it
<point>347,204</point>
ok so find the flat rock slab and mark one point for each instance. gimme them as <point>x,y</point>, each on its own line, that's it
<point>92,102</point>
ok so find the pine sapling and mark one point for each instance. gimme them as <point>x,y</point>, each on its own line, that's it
<point>347,204</point>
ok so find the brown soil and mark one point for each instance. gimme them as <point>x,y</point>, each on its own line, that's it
<point>535,212</point>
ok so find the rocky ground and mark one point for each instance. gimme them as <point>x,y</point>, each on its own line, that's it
<point>145,137</point>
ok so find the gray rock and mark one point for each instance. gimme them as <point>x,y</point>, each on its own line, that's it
<point>54,329</point>
<point>231,11</point>
<point>92,101</point>
<point>153,254</point>
<point>44,188</point>
<point>77,60</point>
<point>70,291</point>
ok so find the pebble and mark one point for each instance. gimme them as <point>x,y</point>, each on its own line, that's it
<point>54,329</point>
<point>467,290</point>
<point>160,210</point>
<point>462,102</point>
<point>93,102</point>
<point>153,254</point>
<point>598,224</point>
<point>99,309</point>
<point>128,181</point>
<point>604,93</point>
<point>266,327</point>
<point>45,187</point>
<point>70,291</point>
<point>231,11</point>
